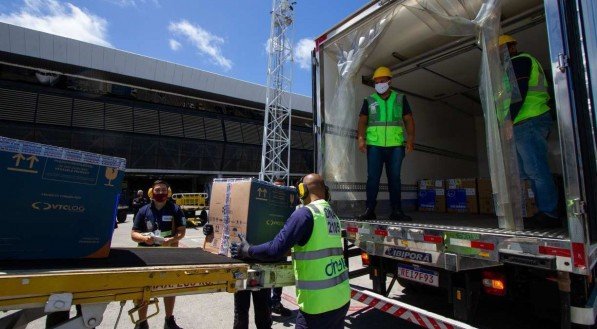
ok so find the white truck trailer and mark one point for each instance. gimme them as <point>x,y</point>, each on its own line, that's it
<point>444,57</point>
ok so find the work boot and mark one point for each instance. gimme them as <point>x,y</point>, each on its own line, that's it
<point>142,325</point>
<point>170,323</point>
<point>280,309</point>
<point>399,216</point>
<point>369,214</point>
<point>542,220</point>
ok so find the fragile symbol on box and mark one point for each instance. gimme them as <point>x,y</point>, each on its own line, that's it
<point>111,174</point>
<point>32,159</point>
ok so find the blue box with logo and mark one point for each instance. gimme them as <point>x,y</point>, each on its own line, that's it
<point>58,203</point>
<point>461,195</point>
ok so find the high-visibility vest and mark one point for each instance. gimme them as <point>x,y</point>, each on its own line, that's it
<point>535,102</point>
<point>320,270</point>
<point>385,126</point>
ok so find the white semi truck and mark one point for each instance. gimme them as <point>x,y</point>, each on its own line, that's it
<point>442,54</point>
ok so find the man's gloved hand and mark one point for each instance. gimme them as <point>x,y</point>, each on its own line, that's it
<point>208,229</point>
<point>240,250</point>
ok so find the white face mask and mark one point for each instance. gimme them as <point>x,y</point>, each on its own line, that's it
<point>382,87</point>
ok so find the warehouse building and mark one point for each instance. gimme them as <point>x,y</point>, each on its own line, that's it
<point>169,121</point>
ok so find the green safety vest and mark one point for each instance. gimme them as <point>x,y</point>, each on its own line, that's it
<point>320,270</point>
<point>535,102</point>
<point>385,126</point>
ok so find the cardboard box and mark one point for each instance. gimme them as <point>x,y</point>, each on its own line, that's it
<point>254,208</point>
<point>432,196</point>
<point>485,192</point>
<point>461,195</point>
<point>486,200</point>
<point>60,203</point>
<point>529,204</point>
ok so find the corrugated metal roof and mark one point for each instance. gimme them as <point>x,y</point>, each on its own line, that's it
<point>35,44</point>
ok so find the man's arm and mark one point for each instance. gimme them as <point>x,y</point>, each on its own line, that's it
<point>138,227</point>
<point>297,230</point>
<point>362,127</point>
<point>409,122</point>
<point>361,133</point>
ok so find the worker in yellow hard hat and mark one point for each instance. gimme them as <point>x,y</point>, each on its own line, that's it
<point>386,131</point>
<point>529,123</point>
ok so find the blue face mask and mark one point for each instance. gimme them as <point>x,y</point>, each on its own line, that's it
<point>382,87</point>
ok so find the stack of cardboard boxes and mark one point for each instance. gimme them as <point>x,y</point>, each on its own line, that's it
<point>486,205</point>
<point>468,195</point>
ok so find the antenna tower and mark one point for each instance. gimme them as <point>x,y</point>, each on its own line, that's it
<point>275,153</point>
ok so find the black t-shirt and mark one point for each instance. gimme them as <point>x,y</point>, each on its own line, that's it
<point>405,107</point>
<point>138,203</point>
<point>149,218</point>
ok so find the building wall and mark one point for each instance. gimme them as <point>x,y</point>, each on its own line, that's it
<point>152,137</point>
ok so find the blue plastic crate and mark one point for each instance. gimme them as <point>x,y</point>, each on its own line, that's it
<point>58,203</point>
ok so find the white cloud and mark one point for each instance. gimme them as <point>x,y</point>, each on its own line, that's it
<point>174,45</point>
<point>207,43</point>
<point>64,19</point>
<point>277,46</point>
<point>132,3</point>
<point>302,53</point>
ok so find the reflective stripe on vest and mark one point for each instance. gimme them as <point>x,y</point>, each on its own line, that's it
<point>385,126</point>
<point>322,284</point>
<point>535,102</point>
<point>319,267</point>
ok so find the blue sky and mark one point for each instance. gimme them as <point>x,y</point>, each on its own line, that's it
<point>227,37</point>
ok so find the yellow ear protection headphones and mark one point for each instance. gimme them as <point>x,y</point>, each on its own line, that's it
<point>150,191</point>
<point>303,191</point>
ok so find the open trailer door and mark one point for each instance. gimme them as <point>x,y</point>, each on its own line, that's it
<point>422,42</point>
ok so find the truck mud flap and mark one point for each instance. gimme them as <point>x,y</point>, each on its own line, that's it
<point>407,312</point>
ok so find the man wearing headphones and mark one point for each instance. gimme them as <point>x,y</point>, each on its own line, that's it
<point>159,223</point>
<point>313,233</point>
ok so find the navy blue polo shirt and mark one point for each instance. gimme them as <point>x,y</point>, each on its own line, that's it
<point>149,218</point>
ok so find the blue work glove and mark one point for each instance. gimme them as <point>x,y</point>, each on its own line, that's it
<point>240,250</point>
<point>208,229</point>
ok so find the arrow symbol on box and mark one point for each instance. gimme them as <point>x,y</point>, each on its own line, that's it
<point>32,160</point>
<point>18,157</point>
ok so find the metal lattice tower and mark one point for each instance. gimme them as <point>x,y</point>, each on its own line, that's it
<point>275,153</point>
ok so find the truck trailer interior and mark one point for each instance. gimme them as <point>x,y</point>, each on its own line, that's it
<point>439,75</point>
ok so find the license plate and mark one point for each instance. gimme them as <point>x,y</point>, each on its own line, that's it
<point>420,275</point>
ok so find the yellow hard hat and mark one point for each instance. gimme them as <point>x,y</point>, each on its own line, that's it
<point>505,38</point>
<point>382,71</point>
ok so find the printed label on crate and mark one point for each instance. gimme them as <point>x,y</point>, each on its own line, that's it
<point>471,191</point>
<point>456,199</point>
<point>427,199</point>
<point>69,171</point>
<point>439,191</point>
